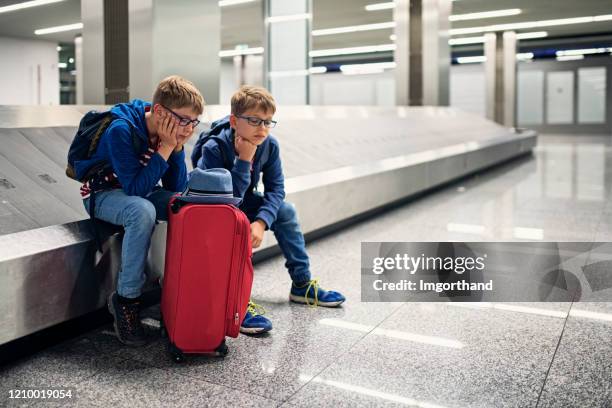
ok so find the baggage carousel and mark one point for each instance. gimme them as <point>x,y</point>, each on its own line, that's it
<point>340,163</point>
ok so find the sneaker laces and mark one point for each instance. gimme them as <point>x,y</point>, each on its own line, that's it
<point>314,284</point>
<point>255,309</point>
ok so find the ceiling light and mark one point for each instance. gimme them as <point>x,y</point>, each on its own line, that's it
<point>529,36</point>
<point>530,24</point>
<point>380,6</point>
<point>241,51</point>
<point>471,60</point>
<point>481,39</point>
<point>62,65</point>
<point>362,69</point>
<point>27,4</point>
<point>583,51</point>
<point>393,37</point>
<point>352,29</point>
<point>523,56</point>
<point>224,3</point>
<point>570,58</point>
<point>291,17</point>
<point>58,29</point>
<point>485,14</point>
<point>352,50</point>
<point>318,70</point>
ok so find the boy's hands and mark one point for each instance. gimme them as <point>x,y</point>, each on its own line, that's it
<point>257,232</point>
<point>167,129</point>
<point>246,150</point>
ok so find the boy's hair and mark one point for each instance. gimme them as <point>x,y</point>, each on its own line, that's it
<point>177,92</point>
<point>252,97</point>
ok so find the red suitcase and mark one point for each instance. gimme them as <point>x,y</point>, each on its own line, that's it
<point>207,279</point>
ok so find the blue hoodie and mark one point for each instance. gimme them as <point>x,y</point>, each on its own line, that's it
<point>117,147</point>
<point>245,176</point>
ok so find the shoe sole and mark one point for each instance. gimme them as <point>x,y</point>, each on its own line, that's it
<point>112,312</point>
<point>300,299</point>
<point>253,330</point>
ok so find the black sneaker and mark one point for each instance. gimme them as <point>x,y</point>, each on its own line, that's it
<point>127,321</point>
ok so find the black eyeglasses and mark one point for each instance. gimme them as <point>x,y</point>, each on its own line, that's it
<point>183,121</point>
<point>255,121</point>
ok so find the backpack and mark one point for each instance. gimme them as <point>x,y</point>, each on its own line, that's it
<point>213,134</point>
<point>83,146</point>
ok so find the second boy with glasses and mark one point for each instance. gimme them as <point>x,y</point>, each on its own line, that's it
<point>241,143</point>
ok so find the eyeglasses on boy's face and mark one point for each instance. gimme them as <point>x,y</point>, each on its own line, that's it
<point>182,120</point>
<point>255,121</point>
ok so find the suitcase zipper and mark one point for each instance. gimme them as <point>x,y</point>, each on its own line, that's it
<point>240,276</point>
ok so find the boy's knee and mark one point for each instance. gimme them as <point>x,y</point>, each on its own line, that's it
<point>140,212</point>
<point>286,212</point>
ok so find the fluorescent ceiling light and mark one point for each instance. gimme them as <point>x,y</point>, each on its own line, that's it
<point>361,69</point>
<point>241,51</point>
<point>318,70</point>
<point>352,50</point>
<point>481,39</point>
<point>225,3</point>
<point>59,29</point>
<point>570,58</point>
<point>62,65</point>
<point>565,53</point>
<point>291,17</point>
<point>380,6</point>
<point>523,56</point>
<point>485,14</point>
<point>471,60</point>
<point>534,34</point>
<point>27,4</point>
<point>530,24</point>
<point>353,29</point>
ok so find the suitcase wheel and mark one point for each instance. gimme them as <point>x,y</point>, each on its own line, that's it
<point>175,353</point>
<point>222,350</point>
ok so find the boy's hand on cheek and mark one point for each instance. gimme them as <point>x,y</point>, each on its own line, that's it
<point>246,150</point>
<point>167,130</point>
<point>257,232</point>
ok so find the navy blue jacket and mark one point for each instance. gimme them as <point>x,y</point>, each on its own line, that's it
<point>245,176</point>
<point>117,147</point>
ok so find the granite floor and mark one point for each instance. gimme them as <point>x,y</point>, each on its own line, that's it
<point>389,354</point>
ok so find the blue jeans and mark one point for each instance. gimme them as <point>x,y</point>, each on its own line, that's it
<point>137,215</point>
<point>289,236</point>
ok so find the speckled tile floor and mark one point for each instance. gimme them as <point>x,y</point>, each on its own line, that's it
<point>389,354</point>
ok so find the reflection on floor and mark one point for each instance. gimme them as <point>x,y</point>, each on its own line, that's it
<point>391,354</point>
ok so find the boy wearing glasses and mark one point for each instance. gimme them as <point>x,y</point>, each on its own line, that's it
<point>241,143</point>
<point>142,145</point>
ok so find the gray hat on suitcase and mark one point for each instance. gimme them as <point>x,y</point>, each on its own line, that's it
<point>210,186</point>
